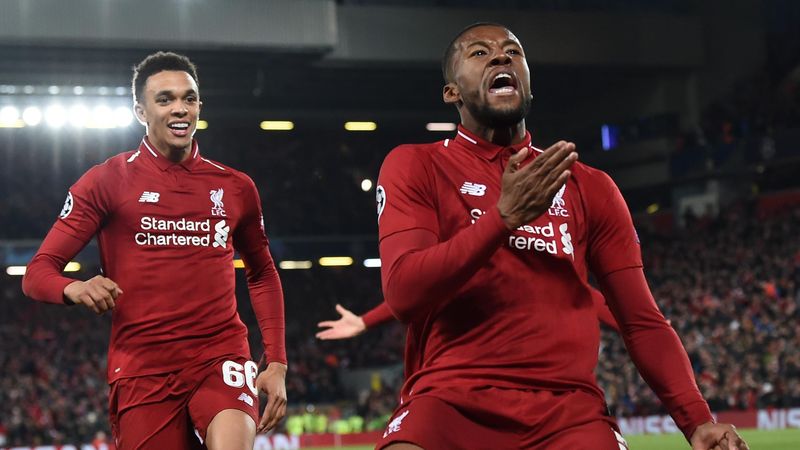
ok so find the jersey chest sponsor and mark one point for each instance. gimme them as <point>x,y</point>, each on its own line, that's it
<point>165,219</point>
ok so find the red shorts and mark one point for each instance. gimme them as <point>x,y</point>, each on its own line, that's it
<point>500,419</point>
<point>173,410</point>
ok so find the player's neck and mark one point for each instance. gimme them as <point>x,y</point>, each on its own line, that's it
<point>174,154</point>
<point>504,136</point>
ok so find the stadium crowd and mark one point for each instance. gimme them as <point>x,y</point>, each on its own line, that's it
<point>729,286</point>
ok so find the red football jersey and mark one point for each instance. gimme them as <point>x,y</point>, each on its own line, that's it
<point>525,319</point>
<point>167,234</point>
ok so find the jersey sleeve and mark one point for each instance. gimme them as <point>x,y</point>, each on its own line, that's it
<point>86,207</point>
<point>612,241</point>
<point>263,281</point>
<point>404,193</point>
<point>377,316</point>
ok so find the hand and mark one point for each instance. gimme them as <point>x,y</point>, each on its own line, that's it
<point>97,294</point>
<point>273,383</point>
<point>349,325</point>
<point>717,436</point>
<point>528,192</point>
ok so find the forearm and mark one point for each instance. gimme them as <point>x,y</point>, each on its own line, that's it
<point>266,295</point>
<point>655,348</point>
<point>421,274</point>
<point>377,316</point>
<point>43,280</point>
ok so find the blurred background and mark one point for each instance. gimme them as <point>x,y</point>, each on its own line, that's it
<point>692,106</point>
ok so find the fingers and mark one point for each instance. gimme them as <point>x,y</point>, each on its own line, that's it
<point>342,310</point>
<point>328,334</point>
<point>273,413</point>
<point>516,159</point>
<point>326,324</point>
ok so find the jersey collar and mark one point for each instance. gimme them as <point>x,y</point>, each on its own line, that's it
<point>148,149</point>
<point>484,148</point>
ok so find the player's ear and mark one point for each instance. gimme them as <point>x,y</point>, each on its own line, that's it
<point>450,93</point>
<point>141,116</point>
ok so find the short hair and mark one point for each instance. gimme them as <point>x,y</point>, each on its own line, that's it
<point>159,62</point>
<point>447,71</point>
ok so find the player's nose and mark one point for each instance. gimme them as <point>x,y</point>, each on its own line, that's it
<point>500,58</point>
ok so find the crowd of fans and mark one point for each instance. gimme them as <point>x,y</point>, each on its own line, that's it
<point>729,286</point>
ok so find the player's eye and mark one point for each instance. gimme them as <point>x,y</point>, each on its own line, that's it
<point>162,100</point>
<point>191,99</point>
<point>478,53</point>
<point>513,51</point>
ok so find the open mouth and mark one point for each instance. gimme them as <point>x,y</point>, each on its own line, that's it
<point>503,83</point>
<point>179,128</point>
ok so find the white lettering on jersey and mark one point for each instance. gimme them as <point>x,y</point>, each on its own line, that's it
<point>557,208</point>
<point>216,197</point>
<point>474,189</point>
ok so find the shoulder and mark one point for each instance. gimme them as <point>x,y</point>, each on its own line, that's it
<point>412,158</point>
<point>591,178</point>
<point>109,171</point>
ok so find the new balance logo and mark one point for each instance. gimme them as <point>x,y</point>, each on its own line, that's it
<point>246,398</point>
<point>471,188</point>
<point>394,425</point>
<point>149,197</point>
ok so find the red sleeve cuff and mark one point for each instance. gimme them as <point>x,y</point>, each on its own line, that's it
<point>377,316</point>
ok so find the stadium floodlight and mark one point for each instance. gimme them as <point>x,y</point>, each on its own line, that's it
<point>55,116</point>
<point>360,126</point>
<point>123,117</point>
<point>28,89</point>
<point>440,126</point>
<point>366,184</point>
<point>72,266</point>
<point>54,90</point>
<point>102,117</point>
<point>121,90</point>
<point>15,271</point>
<point>78,116</point>
<point>334,261</point>
<point>9,117</point>
<point>294,265</point>
<point>277,125</point>
<point>202,124</point>
<point>372,262</point>
<point>32,116</point>
<point>78,90</point>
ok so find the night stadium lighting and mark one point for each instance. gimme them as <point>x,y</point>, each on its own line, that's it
<point>360,126</point>
<point>32,116</point>
<point>77,90</point>
<point>335,261</point>
<point>294,265</point>
<point>15,271</point>
<point>440,126</point>
<point>55,116</point>
<point>202,124</point>
<point>102,117</point>
<point>9,118</point>
<point>123,116</point>
<point>238,264</point>
<point>78,116</point>
<point>53,90</point>
<point>652,209</point>
<point>366,184</point>
<point>372,262</point>
<point>277,125</point>
<point>72,266</point>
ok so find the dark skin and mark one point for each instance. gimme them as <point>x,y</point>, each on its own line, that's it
<point>527,190</point>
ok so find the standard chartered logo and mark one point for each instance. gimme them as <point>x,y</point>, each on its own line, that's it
<point>566,239</point>
<point>155,232</point>
<point>221,235</point>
